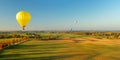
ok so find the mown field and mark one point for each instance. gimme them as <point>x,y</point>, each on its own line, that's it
<point>72,49</point>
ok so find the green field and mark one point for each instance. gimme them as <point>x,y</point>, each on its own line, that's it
<point>63,50</point>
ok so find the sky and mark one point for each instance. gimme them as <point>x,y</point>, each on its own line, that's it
<point>62,14</point>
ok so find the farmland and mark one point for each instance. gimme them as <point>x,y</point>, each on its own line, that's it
<point>62,46</point>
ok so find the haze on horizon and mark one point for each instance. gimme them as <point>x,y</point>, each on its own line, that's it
<point>62,14</point>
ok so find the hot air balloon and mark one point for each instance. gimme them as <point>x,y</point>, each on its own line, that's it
<point>23,18</point>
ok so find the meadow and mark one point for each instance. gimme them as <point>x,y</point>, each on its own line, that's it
<point>63,46</point>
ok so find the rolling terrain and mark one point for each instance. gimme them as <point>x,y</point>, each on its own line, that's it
<point>72,49</point>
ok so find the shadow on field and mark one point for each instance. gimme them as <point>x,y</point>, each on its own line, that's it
<point>39,53</point>
<point>45,58</point>
<point>37,46</point>
<point>31,50</point>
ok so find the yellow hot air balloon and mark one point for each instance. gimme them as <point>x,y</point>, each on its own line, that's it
<point>23,18</point>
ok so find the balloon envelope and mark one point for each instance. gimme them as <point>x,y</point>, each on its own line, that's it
<point>23,18</point>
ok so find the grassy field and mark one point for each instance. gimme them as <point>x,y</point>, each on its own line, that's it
<point>75,49</point>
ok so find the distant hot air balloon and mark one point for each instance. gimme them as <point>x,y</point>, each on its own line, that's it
<point>23,18</point>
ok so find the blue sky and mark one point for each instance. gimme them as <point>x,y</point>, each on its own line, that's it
<point>62,14</point>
